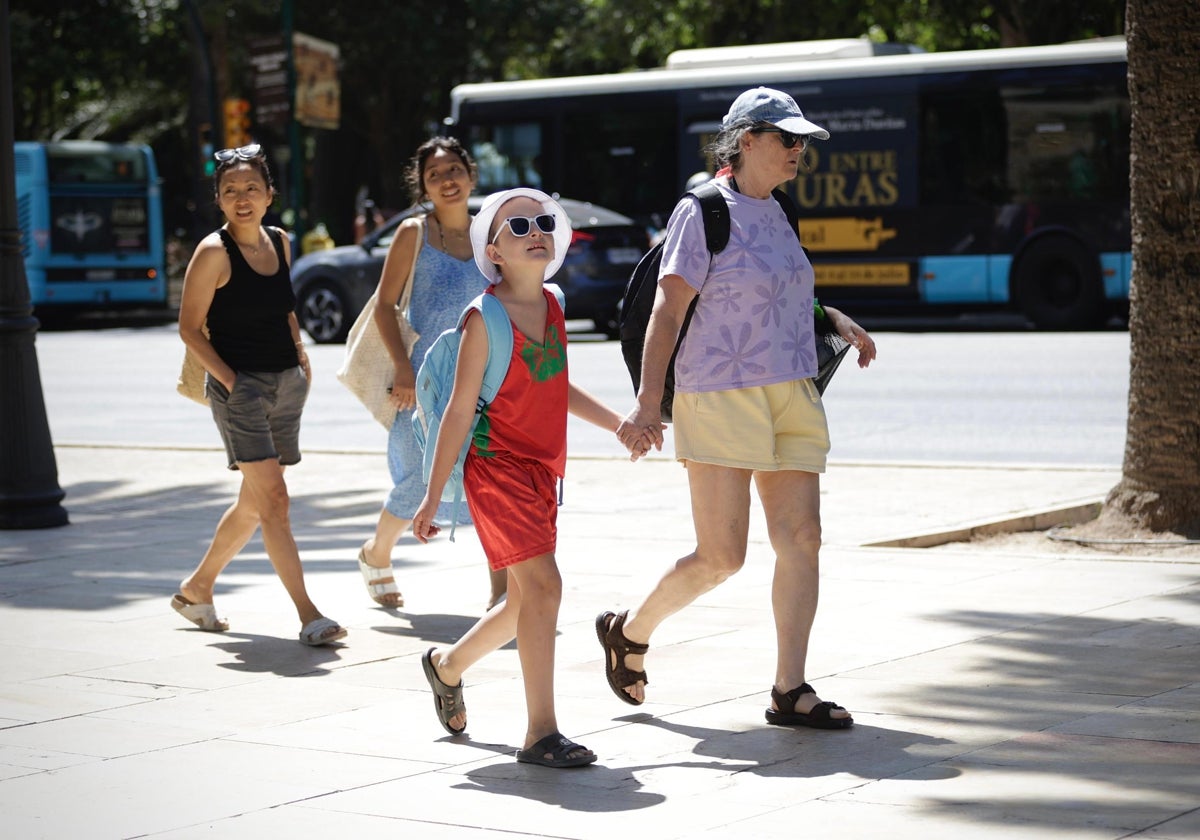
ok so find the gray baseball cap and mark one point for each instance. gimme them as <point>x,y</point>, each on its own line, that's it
<point>764,105</point>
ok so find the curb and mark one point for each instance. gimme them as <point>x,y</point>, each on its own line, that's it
<point>1037,520</point>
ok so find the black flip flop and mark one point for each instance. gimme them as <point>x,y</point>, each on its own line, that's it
<point>447,699</point>
<point>559,748</point>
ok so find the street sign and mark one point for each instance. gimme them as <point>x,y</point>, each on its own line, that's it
<point>272,107</point>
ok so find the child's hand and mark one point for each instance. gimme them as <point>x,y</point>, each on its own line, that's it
<point>422,525</point>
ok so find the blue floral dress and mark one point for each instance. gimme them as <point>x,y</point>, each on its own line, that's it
<point>442,287</point>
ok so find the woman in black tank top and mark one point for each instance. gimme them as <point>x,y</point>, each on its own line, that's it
<point>237,318</point>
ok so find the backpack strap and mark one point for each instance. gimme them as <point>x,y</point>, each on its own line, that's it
<point>790,210</point>
<point>714,210</point>
<point>500,344</point>
<point>557,291</point>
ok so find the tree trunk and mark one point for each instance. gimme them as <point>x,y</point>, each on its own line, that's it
<point>1160,483</point>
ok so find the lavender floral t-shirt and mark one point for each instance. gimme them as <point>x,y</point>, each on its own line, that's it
<point>754,320</point>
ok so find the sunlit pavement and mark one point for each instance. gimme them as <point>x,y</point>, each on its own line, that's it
<point>1008,695</point>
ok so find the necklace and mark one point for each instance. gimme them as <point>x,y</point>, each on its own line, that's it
<point>253,249</point>
<point>442,233</point>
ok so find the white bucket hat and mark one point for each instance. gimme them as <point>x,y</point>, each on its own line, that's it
<point>481,225</point>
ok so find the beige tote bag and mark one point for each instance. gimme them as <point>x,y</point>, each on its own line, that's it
<point>367,367</point>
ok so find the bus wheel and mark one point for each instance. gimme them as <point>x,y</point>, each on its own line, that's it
<point>324,312</point>
<point>1057,285</point>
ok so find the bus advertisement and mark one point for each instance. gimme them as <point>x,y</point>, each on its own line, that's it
<point>91,223</point>
<point>961,180</point>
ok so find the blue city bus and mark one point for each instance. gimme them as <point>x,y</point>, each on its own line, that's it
<point>952,181</point>
<point>91,223</point>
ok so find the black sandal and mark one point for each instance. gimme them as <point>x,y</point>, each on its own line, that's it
<point>818,717</point>
<point>559,748</point>
<point>612,639</point>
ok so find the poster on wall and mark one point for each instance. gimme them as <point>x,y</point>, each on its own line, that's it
<point>318,92</point>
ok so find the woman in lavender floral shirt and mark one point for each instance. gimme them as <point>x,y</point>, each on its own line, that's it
<point>745,408</point>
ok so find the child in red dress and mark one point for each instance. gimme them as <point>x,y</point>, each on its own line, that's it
<point>517,455</point>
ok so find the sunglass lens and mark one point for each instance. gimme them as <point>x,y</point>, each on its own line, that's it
<point>789,140</point>
<point>519,225</point>
<point>545,223</point>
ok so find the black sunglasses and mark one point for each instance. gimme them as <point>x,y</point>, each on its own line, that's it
<point>249,152</point>
<point>521,225</point>
<point>787,138</point>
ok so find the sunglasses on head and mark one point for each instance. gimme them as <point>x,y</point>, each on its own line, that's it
<point>249,152</point>
<point>522,225</point>
<point>787,138</point>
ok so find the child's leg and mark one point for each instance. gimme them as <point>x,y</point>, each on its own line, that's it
<point>497,628</point>
<point>540,590</point>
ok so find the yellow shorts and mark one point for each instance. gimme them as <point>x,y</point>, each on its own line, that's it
<point>770,427</point>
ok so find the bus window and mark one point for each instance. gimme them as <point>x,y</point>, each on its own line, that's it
<point>1068,143</point>
<point>963,148</point>
<point>618,157</point>
<point>508,155</point>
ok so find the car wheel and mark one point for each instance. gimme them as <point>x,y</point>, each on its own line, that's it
<point>324,312</point>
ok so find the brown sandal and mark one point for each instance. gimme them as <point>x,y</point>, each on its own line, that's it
<point>818,717</point>
<point>612,638</point>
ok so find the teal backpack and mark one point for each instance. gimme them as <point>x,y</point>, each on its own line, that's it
<point>435,382</point>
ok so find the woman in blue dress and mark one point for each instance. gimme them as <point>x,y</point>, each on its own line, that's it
<point>445,279</point>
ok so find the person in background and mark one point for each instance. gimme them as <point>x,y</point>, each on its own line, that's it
<point>367,221</point>
<point>238,285</point>
<point>746,411</point>
<point>441,175</point>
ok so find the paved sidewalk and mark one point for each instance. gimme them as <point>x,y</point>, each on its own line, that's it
<point>996,694</point>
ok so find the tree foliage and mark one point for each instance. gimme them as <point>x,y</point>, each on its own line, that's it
<point>119,69</point>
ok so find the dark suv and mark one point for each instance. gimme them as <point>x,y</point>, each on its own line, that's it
<point>333,285</point>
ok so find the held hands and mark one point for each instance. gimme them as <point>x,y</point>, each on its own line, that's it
<point>640,430</point>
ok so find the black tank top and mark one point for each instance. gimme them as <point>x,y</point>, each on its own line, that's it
<point>248,318</point>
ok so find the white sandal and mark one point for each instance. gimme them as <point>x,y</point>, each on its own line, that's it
<point>380,582</point>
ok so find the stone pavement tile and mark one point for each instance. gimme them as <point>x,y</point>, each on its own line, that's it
<point>184,786</point>
<point>1185,827</point>
<point>1166,725</point>
<point>24,663</point>
<point>1055,780</point>
<point>23,761</point>
<point>100,737</point>
<point>904,821</point>
<point>250,708</point>
<point>504,797</point>
<point>1186,698</point>
<point>303,820</point>
<point>984,714</point>
<point>30,703</point>
<point>1028,659</point>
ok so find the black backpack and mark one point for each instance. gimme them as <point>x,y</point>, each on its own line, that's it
<point>638,301</point>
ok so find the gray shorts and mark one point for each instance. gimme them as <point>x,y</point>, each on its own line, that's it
<point>261,418</point>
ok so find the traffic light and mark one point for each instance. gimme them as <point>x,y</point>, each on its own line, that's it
<point>237,123</point>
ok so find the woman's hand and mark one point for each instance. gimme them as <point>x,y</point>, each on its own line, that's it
<point>858,338</point>
<point>302,358</point>
<point>403,392</point>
